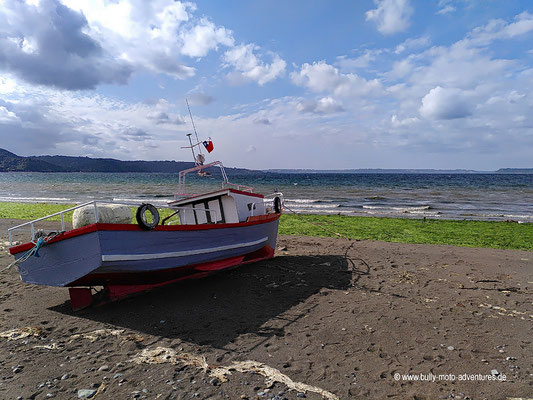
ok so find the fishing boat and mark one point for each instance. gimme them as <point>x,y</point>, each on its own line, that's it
<point>201,234</point>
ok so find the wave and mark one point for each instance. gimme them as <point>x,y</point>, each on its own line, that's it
<point>302,201</point>
<point>509,216</point>
<point>322,211</point>
<point>143,200</point>
<point>313,206</point>
<point>35,199</point>
<point>400,209</point>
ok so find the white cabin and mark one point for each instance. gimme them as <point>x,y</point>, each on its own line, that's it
<point>223,206</point>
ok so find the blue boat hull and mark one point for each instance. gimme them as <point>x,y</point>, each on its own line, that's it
<point>106,254</point>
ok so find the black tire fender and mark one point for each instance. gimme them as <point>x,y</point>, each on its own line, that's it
<point>141,217</point>
<point>277,205</point>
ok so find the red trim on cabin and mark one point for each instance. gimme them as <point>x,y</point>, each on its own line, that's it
<point>130,227</point>
<point>246,193</point>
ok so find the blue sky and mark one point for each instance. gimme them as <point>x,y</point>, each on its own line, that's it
<point>279,84</point>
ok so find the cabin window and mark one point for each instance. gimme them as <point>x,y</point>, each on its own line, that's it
<point>214,205</point>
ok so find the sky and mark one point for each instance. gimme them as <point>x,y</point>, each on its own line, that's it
<point>445,84</point>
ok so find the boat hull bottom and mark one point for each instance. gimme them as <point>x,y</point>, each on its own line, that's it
<point>135,283</point>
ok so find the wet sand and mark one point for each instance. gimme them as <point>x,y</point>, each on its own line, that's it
<point>325,319</point>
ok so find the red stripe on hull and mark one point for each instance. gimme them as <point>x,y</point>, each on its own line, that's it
<point>130,227</point>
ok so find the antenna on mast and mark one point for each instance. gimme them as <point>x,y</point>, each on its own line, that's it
<point>193,126</point>
<point>200,158</point>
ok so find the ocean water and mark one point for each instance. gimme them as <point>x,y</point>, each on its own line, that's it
<point>497,197</point>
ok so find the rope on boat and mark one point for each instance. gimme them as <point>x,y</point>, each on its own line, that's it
<point>40,239</point>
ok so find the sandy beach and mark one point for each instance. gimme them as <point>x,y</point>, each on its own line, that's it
<point>325,319</point>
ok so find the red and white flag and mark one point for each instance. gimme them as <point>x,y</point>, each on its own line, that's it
<point>208,145</point>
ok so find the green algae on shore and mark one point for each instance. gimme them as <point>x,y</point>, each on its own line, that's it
<point>491,234</point>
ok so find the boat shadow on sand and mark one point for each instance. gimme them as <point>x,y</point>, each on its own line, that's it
<point>261,299</point>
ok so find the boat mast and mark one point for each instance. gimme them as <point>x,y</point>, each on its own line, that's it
<point>194,128</point>
<point>192,147</point>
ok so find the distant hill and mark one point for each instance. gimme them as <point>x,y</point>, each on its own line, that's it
<point>377,171</point>
<point>87,164</point>
<point>515,171</point>
<point>401,171</point>
<point>10,162</point>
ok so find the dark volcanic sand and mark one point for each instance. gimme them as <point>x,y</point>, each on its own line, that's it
<point>340,316</point>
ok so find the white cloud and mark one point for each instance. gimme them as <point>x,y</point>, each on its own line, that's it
<point>402,68</point>
<point>70,123</point>
<point>442,103</point>
<point>500,29</point>
<point>134,20</point>
<point>325,105</point>
<point>162,117</point>
<point>347,64</point>
<point>7,85</point>
<point>406,122</point>
<point>446,7</point>
<point>262,121</point>
<point>49,45</point>
<point>99,41</point>
<point>248,67</point>
<point>460,98</point>
<point>199,99</point>
<point>322,77</point>
<point>6,115</point>
<point>459,65</point>
<point>391,16</point>
<point>412,44</point>
<point>446,10</point>
<point>144,34</point>
<point>203,37</point>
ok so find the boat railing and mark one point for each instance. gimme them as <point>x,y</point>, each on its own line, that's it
<point>199,169</point>
<point>94,203</point>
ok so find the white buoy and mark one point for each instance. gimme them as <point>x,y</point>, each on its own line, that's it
<point>107,213</point>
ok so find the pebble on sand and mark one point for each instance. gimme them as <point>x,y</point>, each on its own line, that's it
<point>86,393</point>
